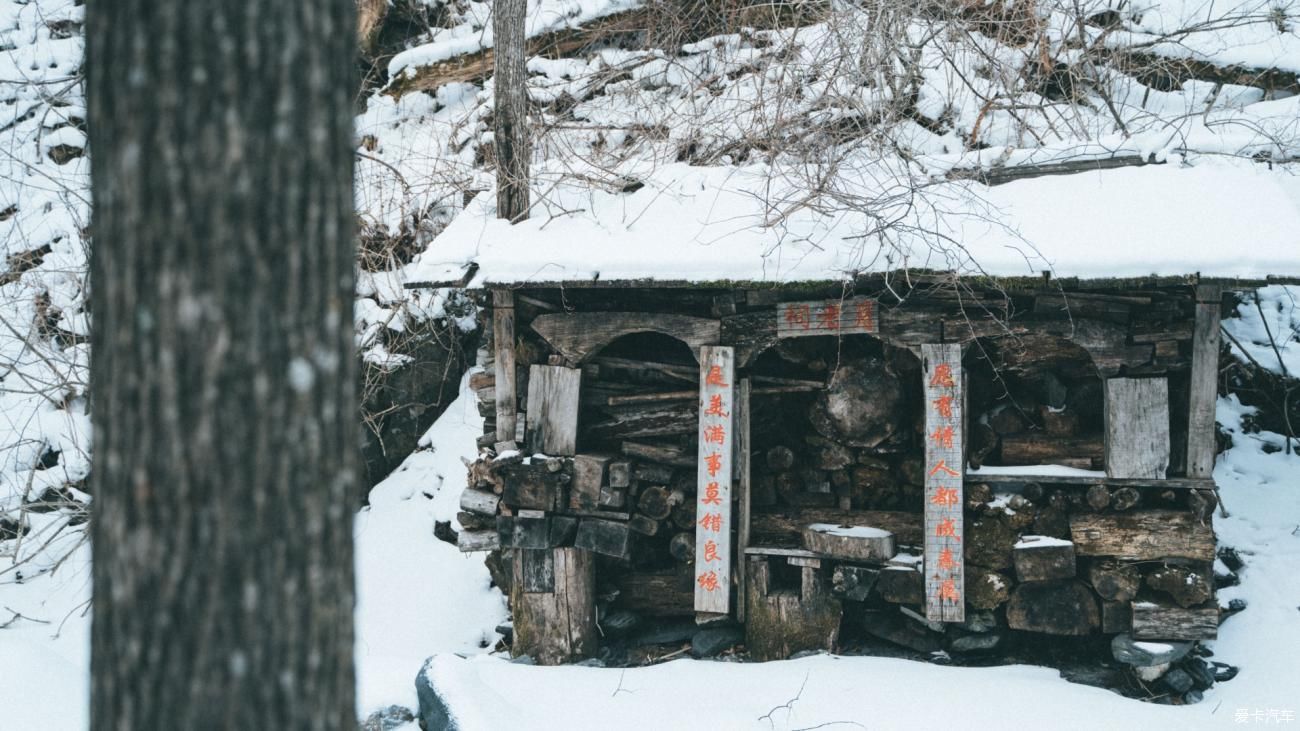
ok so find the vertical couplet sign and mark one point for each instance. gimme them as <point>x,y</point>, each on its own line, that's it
<point>713,490</point>
<point>945,467</point>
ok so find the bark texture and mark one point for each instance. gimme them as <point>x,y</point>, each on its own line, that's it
<point>510,139</point>
<point>223,373</point>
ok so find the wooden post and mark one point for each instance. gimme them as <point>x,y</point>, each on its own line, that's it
<point>1137,427</point>
<point>559,625</point>
<point>714,476</point>
<point>743,449</point>
<point>503,340</point>
<point>945,467</point>
<point>1204,385</point>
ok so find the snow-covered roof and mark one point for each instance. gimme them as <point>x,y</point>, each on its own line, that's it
<point>1218,219</point>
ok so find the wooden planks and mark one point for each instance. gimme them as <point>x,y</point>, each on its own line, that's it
<point>578,335</point>
<point>1144,535</point>
<point>560,625</point>
<point>503,341</point>
<point>1137,427</point>
<point>826,317</point>
<point>1152,621</point>
<point>552,415</point>
<point>945,588</point>
<point>1203,385</point>
<point>714,480</point>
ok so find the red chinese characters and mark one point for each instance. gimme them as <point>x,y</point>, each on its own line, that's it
<point>943,483</point>
<point>713,495</point>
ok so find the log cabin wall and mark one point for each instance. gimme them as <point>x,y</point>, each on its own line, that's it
<point>1085,498</point>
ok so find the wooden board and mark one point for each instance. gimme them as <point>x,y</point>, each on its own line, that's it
<point>780,528</point>
<point>557,626</point>
<point>578,335</point>
<point>538,570</point>
<point>945,465</point>
<point>1137,427</point>
<point>714,480</point>
<point>552,415</point>
<point>1152,621</point>
<point>503,341</point>
<point>826,317</point>
<point>1142,535</point>
<point>1204,383</point>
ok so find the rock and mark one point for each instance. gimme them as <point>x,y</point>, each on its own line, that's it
<point>665,632</point>
<point>591,662</point>
<point>1146,654</point>
<point>433,711</point>
<point>1193,696</point>
<point>1177,680</point>
<point>828,455</point>
<point>1201,673</point>
<point>619,623</point>
<point>1230,558</point>
<point>894,628</point>
<point>1151,673</point>
<point>713,640</point>
<point>387,719</point>
<point>443,531</point>
<point>1187,587</point>
<point>986,589</point>
<point>979,621</point>
<point>1223,672</point>
<point>507,632</point>
<point>1066,608</point>
<point>974,643</point>
<point>853,583</point>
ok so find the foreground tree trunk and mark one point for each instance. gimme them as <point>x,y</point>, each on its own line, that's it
<point>222,372</point>
<point>510,134</point>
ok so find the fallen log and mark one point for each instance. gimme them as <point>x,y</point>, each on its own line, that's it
<point>1145,535</point>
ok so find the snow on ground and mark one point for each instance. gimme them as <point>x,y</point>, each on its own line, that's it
<point>1267,325</point>
<point>415,594</point>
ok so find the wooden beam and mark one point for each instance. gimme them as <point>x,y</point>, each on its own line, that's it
<point>557,626</point>
<point>743,456</point>
<point>1143,535</point>
<point>1204,385</point>
<point>945,464</point>
<point>1174,483</point>
<point>1137,427</point>
<point>503,341</point>
<point>1152,621</point>
<point>579,335</point>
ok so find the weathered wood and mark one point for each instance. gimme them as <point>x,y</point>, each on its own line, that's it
<point>826,317</point>
<point>477,540</point>
<point>1116,617</point>
<point>1098,497</point>
<point>523,532</point>
<point>1039,449</point>
<point>552,414</point>
<point>511,142</point>
<point>1169,483</point>
<point>1153,621</point>
<point>1187,586</point>
<point>620,473</point>
<point>578,335</point>
<point>590,472</point>
<point>853,583</point>
<point>664,453</point>
<point>529,486</point>
<point>611,423</point>
<point>604,536</point>
<point>781,622</point>
<point>1203,385</point>
<point>1040,558</point>
<point>945,465</point>
<point>559,626</point>
<point>479,501</point>
<point>682,546</point>
<point>788,529</point>
<point>899,585</point>
<point>612,497</point>
<point>855,543</point>
<point>668,593</point>
<point>1137,427</point>
<point>714,480</point>
<point>658,474</point>
<point>643,524</point>
<point>1114,581</point>
<point>658,502</point>
<point>1053,608</point>
<point>1145,535</point>
<point>503,340</point>
<point>744,483</point>
<point>537,570</point>
<point>1125,498</point>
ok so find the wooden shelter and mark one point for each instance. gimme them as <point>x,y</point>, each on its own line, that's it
<point>909,451</point>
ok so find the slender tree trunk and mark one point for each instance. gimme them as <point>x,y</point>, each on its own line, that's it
<point>510,136</point>
<point>222,363</point>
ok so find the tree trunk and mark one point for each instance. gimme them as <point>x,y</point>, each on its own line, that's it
<point>225,405</point>
<point>510,140</point>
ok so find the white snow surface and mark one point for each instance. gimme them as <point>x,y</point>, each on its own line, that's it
<point>1044,470</point>
<point>1267,327</point>
<point>1037,541</point>
<point>854,531</point>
